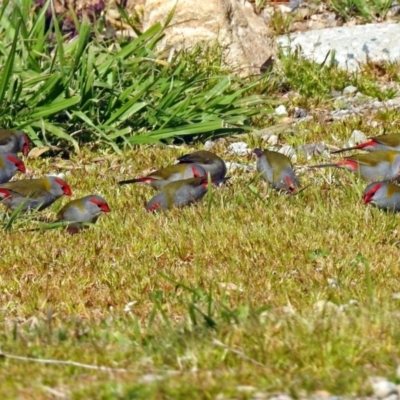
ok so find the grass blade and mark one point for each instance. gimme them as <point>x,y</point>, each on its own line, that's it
<point>8,68</point>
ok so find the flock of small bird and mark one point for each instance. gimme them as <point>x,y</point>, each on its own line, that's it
<point>29,194</point>
<point>187,181</point>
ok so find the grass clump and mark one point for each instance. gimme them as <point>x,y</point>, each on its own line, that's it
<point>86,88</point>
<point>367,10</point>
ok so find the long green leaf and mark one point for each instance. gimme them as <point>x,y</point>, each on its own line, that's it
<point>54,108</point>
<point>56,131</point>
<point>8,69</point>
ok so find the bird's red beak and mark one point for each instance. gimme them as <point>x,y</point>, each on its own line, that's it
<point>105,208</point>
<point>66,189</point>
<point>367,198</point>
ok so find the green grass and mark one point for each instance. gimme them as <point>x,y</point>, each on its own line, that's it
<point>198,299</point>
<point>202,302</point>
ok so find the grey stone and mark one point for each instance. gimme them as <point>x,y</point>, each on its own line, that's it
<point>299,112</point>
<point>295,4</point>
<point>239,148</point>
<point>339,114</point>
<point>312,149</point>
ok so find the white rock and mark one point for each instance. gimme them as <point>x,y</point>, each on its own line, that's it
<point>281,110</point>
<point>350,90</point>
<point>284,9</point>
<point>289,151</point>
<point>232,166</point>
<point>280,397</point>
<point>208,145</point>
<point>350,45</point>
<point>128,306</point>
<point>150,378</point>
<point>272,140</point>
<point>356,137</point>
<point>392,396</point>
<point>333,283</point>
<point>382,388</point>
<point>239,148</point>
<point>60,175</point>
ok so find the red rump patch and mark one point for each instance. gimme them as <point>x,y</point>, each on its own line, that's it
<point>349,164</point>
<point>370,143</point>
<point>17,162</point>
<point>103,206</point>
<point>370,194</point>
<point>145,179</point>
<point>154,207</point>
<point>4,193</point>
<point>66,189</point>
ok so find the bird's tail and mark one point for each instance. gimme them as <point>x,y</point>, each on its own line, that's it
<point>324,166</point>
<point>136,180</point>
<point>360,146</point>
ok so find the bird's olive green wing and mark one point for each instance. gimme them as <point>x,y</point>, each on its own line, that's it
<point>391,140</point>
<point>277,162</point>
<point>374,158</point>
<point>25,187</point>
<point>199,157</point>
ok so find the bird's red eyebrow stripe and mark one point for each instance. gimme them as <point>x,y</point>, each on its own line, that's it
<point>98,202</point>
<point>104,206</point>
